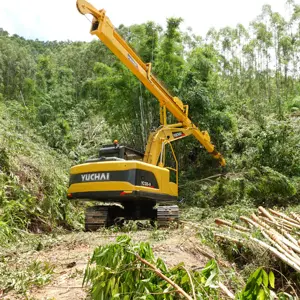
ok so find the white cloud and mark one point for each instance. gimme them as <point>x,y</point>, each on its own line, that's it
<point>60,20</point>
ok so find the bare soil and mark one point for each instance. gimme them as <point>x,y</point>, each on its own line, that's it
<point>71,253</point>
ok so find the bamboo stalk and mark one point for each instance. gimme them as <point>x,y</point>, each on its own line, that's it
<point>282,230</point>
<point>292,225</point>
<point>296,217</point>
<point>266,213</point>
<point>282,215</point>
<point>288,253</point>
<point>221,222</point>
<point>247,220</point>
<point>179,290</point>
<point>275,236</point>
<point>262,225</point>
<point>267,247</point>
<point>277,253</point>
<point>226,290</point>
<point>229,238</point>
<point>273,231</point>
<point>278,226</point>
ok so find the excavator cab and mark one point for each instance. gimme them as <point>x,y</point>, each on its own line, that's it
<point>115,152</point>
<point>121,152</point>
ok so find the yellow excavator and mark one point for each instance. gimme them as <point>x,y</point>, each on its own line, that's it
<point>141,183</point>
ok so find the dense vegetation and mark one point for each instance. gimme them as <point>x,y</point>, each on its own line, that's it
<point>130,271</point>
<point>65,99</point>
<point>59,101</point>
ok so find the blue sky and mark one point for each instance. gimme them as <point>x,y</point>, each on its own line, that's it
<point>59,19</point>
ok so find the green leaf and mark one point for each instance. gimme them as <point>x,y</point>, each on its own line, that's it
<point>272,279</point>
<point>261,294</point>
<point>184,279</point>
<point>259,280</point>
<point>265,278</point>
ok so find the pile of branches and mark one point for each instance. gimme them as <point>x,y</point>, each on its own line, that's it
<point>279,234</point>
<point>126,270</point>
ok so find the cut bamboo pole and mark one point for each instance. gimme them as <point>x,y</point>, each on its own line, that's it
<point>296,217</point>
<point>282,215</point>
<point>282,231</point>
<point>276,234</point>
<point>266,213</point>
<point>229,238</point>
<point>265,246</point>
<point>221,222</point>
<point>283,249</point>
<point>278,226</point>
<point>286,222</point>
<point>262,225</point>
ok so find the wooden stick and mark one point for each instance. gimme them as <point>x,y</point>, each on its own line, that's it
<point>265,246</point>
<point>282,215</point>
<point>179,290</point>
<point>296,217</point>
<point>266,213</point>
<point>191,281</point>
<point>221,222</point>
<point>263,225</point>
<point>292,225</point>
<point>282,230</point>
<point>226,290</point>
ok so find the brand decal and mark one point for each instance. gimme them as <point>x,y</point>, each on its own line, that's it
<point>178,134</point>
<point>95,177</point>
<point>146,183</point>
<point>132,60</point>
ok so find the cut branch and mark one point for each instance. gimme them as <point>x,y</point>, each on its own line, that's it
<point>178,289</point>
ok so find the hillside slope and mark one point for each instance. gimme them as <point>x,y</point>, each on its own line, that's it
<point>33,180</point>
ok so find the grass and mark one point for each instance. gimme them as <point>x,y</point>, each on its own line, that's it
<point>207,215</point>
<point>21,275</point>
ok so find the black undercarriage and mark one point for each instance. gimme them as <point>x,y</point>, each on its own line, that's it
<point>108,215</point>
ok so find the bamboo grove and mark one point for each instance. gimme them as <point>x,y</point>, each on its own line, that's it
<point>241,84</point>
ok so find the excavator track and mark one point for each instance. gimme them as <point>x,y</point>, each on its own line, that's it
<point>96,217</point>
<point>167,215</point>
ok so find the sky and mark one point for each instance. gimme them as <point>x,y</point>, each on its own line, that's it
<point>60,20</point>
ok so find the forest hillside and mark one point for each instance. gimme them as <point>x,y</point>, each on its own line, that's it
<point>61,101</point>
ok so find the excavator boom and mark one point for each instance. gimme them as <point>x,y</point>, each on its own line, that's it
<point>105,31</point>
<point>143,184</point>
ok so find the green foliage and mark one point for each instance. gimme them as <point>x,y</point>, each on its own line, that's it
<point>241,84</point>
<point>33,183</point>
<point>24,275</point>
<point>267,186</point>
<point>115,271</point>
<point>4,161</point>
<point>258,286</point>
<point>261,186</point>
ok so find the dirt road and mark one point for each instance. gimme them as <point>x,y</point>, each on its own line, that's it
<point>70,253</point>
